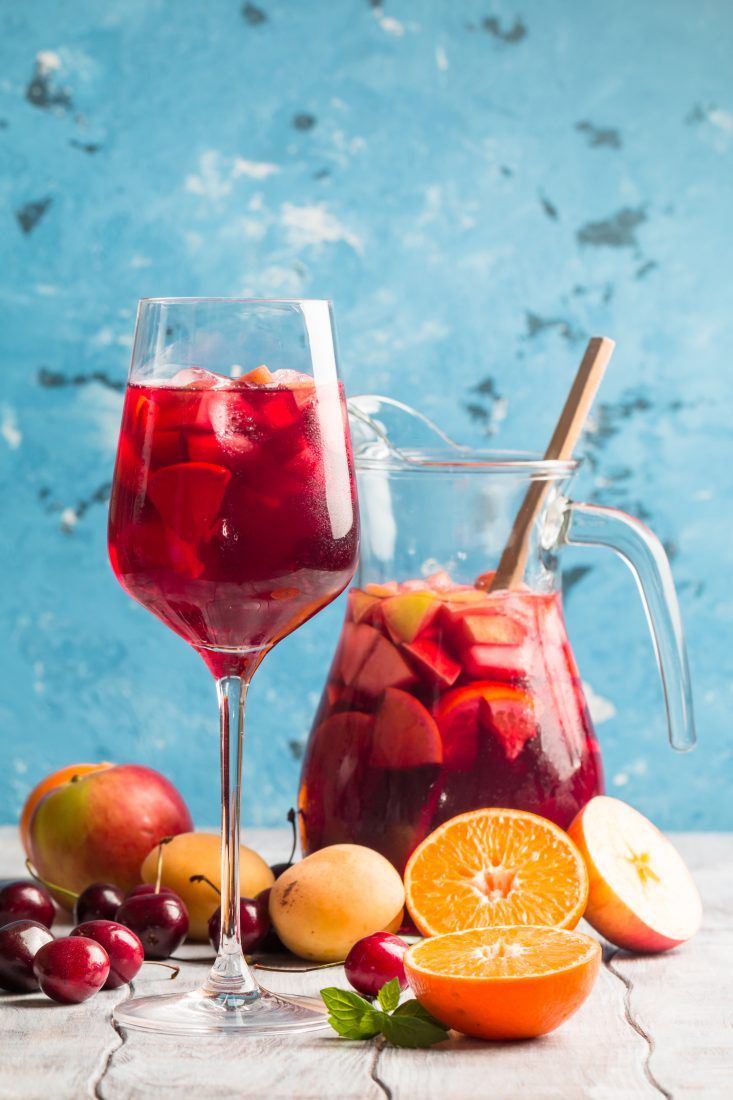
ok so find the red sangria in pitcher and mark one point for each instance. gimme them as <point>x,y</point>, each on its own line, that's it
<point>445,696</point>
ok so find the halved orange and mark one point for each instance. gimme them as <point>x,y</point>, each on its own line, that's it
<point>505,982</point>
<point>495,867</point>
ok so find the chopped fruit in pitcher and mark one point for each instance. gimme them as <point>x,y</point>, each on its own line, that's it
<point>513,721</point>
<point>260,376</point>
<point>498,661</point>
<point>217,509</point>
<point>405,734</point>
<point>469,699</point>
<point>409,613</point>
<point>476,627</point>
<point>360,604</point>
<point>434,663</point>
<point>377,666</point>
<point>381,590</point>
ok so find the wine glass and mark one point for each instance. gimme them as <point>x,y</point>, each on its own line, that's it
<point>233,518</point>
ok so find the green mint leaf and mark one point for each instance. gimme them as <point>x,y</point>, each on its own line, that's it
<point>351,1015</point>
<point>389,995</point>
<point>410,1025</point>
<point>414,1008</point>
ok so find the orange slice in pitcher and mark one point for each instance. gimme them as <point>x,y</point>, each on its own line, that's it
<point>495,867</point>
<point>504,983</point>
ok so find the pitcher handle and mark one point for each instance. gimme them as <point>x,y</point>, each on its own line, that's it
<point>594,525</point>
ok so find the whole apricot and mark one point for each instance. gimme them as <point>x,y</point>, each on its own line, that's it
<point>321,906</point>
<point>199,854</point>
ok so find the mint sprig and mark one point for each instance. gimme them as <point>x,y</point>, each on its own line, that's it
<point>403,1025</point>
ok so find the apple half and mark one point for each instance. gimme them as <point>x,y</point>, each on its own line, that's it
<point>642,896</point>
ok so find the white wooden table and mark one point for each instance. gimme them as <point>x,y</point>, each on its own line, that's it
<point>659,1026</point>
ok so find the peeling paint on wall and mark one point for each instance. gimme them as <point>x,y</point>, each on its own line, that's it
<point>478,190</point>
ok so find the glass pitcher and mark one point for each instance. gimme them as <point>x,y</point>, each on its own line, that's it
<point>444,696</point>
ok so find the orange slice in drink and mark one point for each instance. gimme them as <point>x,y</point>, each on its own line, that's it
<point>504,982</point>
<point>495,867</point>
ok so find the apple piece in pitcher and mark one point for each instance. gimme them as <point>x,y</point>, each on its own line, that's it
<point>496,662</point>
<point>512,721</point>
<point>370,663</point>
<point>361,604</point>
<point>405,733</point>
<point>433,663</point>
<point>389,588</point>
<point>260,376</point>
<point>357,641</point>
<point>409,613</point>
<point>459,598</point>
<point>482,626</point>
<point>384,667</point>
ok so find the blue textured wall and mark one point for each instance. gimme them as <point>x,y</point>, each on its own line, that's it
<point>478,185</point>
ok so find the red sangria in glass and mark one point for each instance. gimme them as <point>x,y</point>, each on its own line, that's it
<point>444,696</point>
<point>233,519</point>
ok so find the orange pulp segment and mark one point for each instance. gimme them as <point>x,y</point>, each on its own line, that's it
<point>495,867</point>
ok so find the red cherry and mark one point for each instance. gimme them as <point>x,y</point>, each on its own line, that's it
<point>125,951</point>
<point>19,943</point>
<point>23,899</point>
<point>160,921</point>
<point>254,921</point>
<point>272,943</point>
<point>148,888</point>
<point>374,961</point>
<point>72,969</point>
<point>100,901</point>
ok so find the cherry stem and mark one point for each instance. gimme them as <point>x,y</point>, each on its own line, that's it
<point>296,970</point>
<point>159,867</point>
<point>49,885</point>
<point>203,878</point>
<point>292,815</point>
<point>155,962</point>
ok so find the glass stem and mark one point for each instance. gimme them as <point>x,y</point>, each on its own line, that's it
<point>230,973</point>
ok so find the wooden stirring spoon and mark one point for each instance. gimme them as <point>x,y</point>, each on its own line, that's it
<point>572,420</point>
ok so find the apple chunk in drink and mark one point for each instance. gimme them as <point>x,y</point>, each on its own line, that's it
<point>444,698</point>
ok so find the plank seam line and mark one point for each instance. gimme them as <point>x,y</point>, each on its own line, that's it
<point>608,956</point>
<point>379,1046</point>
<point>98,1082</point>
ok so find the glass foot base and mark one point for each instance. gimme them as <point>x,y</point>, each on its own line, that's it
<point>261,1013</point>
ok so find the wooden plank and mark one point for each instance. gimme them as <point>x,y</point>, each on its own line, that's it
<point>311,1067</point>
<point>682,1000</point>
<point>595,1054</point>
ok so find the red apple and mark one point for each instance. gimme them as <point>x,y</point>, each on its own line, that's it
<point>100,827</point>
<point>641,896</point>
